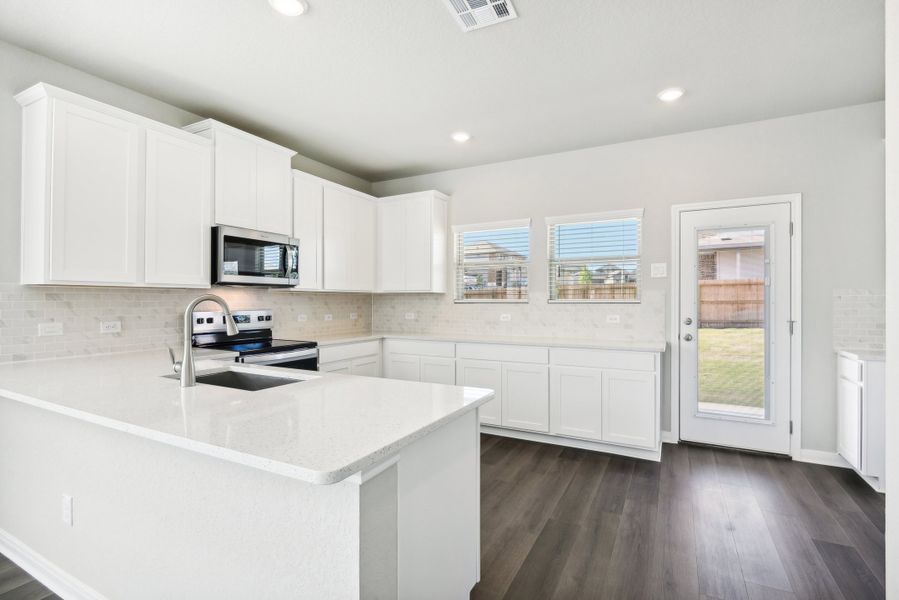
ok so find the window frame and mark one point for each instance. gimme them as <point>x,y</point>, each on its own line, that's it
<point>459,264</point>
<point>612,215</point>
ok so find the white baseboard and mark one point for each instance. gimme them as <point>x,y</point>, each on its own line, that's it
<point>653,455</point>
<point>820,457</point>
<point>668,437</point>
<point>55,579</point>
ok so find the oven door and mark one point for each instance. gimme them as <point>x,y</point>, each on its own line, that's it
<point>247,257</point>
<point>306,359</point>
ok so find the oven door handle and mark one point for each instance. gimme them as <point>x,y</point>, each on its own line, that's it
<point>271,359</point>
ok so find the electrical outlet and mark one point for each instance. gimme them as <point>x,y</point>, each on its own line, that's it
<point>302,318</point>
<point>658,270</point>
<point>613,318</point>
<point>354,316</point>
<point>67,503</point>
<point>44,329</point>
<point>410,316</point>
<point>329,317</point>
<point>111,327</point>
<point>505,317</point>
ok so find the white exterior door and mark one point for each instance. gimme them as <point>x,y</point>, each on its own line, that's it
<point>96,197</point>
<point>734,331</point>
<point>526,396</point>
<point>484,374</point>
<point>179,210</point>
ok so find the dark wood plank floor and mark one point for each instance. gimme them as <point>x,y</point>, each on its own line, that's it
<point>16,584</point>
<point>561,523</point>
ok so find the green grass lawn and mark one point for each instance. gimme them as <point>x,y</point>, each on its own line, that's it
<point>732,366</point>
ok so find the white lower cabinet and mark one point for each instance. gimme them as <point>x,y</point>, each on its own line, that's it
<point>861,408</point>
<point>484,374</point>
<point>359,358</point>
<point>403,366</point>
<point>575,403</point>
<point>435,369</point>
<point>629,408</point>
<point>525,396</point>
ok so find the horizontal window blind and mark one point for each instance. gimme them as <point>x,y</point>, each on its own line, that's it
<point>595,261</point>
<point>492,264</point>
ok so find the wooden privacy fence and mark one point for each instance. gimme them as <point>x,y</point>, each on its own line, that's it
<point>598,291</point>
<point>737,303</point>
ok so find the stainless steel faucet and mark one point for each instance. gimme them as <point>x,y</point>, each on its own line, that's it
<point>186,366</point>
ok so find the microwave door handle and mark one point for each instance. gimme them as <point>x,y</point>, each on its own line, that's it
<point>279,357</point>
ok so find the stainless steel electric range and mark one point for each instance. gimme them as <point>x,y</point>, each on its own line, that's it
<point>253,343</point>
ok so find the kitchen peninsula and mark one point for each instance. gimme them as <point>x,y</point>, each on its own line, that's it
<point>330,487</point>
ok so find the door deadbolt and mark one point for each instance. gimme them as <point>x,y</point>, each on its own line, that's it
<point>688,337</point>
<point>688,321</point>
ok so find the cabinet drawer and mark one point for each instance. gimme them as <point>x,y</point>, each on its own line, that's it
<point>330,354</point>
<point>603,359</point>
<point>849,369</point>
<point>421,348</point>
<point>503,352</point>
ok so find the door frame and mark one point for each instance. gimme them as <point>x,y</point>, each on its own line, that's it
<point>795,202</point>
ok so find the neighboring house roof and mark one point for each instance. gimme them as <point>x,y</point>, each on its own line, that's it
<point>490,252</point>
<point>723,240</point>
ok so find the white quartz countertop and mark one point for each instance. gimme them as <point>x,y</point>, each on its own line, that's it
<point>320,431</point>
<point>632,345</point>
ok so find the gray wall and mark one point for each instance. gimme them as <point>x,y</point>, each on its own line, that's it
<point>834,158</point>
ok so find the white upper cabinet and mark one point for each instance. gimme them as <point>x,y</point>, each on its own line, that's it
<point>308,194</point>
<point>252,179</point>
<point>349,240</point>
<point>110,197</point>
<point>412,243</point>
<point>179,209</point>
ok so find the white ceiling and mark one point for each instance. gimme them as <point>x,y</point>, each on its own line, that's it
<point>376,87</point>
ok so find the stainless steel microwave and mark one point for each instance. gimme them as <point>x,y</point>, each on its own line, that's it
<point>248,257</point>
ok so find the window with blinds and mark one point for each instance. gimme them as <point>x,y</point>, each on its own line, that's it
<point>595,258</point>
<point>492,262</point>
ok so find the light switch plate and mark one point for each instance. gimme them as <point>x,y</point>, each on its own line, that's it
<point>410,316</point>
<point>658,270</point>
<point>302,318</point>
<point>45,329</point>
<point>613,318</point>
<point>505,317</point>
<point>354,316</point>
<point>329,317</point>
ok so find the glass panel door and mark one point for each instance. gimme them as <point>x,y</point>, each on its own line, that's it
<point>732,313</point>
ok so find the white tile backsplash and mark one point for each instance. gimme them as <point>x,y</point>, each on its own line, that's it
<point>438,314</point>
<point>859,319</point>
<point>151,318</point>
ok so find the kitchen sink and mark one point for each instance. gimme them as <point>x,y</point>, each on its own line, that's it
<point>241,380</point>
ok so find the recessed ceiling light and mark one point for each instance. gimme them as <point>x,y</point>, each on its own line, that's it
<point>460,137</point>
<point>671,94</point>
<point>290,8</point>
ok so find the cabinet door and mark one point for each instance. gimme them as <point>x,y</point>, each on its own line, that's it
<point>629,408</point>
<point>362,262</point>
<point>235,180</point>
<point>575,400</point>
<point>438,370</point>
<point>307,228</point>
<point>484,374</point>
<point>341,366</point>
<point>391,246</point>
<point>273,191</point>
<point>367,366</point>
<point>338,228</point>
<point>179,211</point>
<point>403,366</point>
<point>526,396</point>
<point>849,421</point>
<point>96,197</point>
<point>417,243</point>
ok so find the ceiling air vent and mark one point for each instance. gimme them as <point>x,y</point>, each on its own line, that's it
<point>475,14</point>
